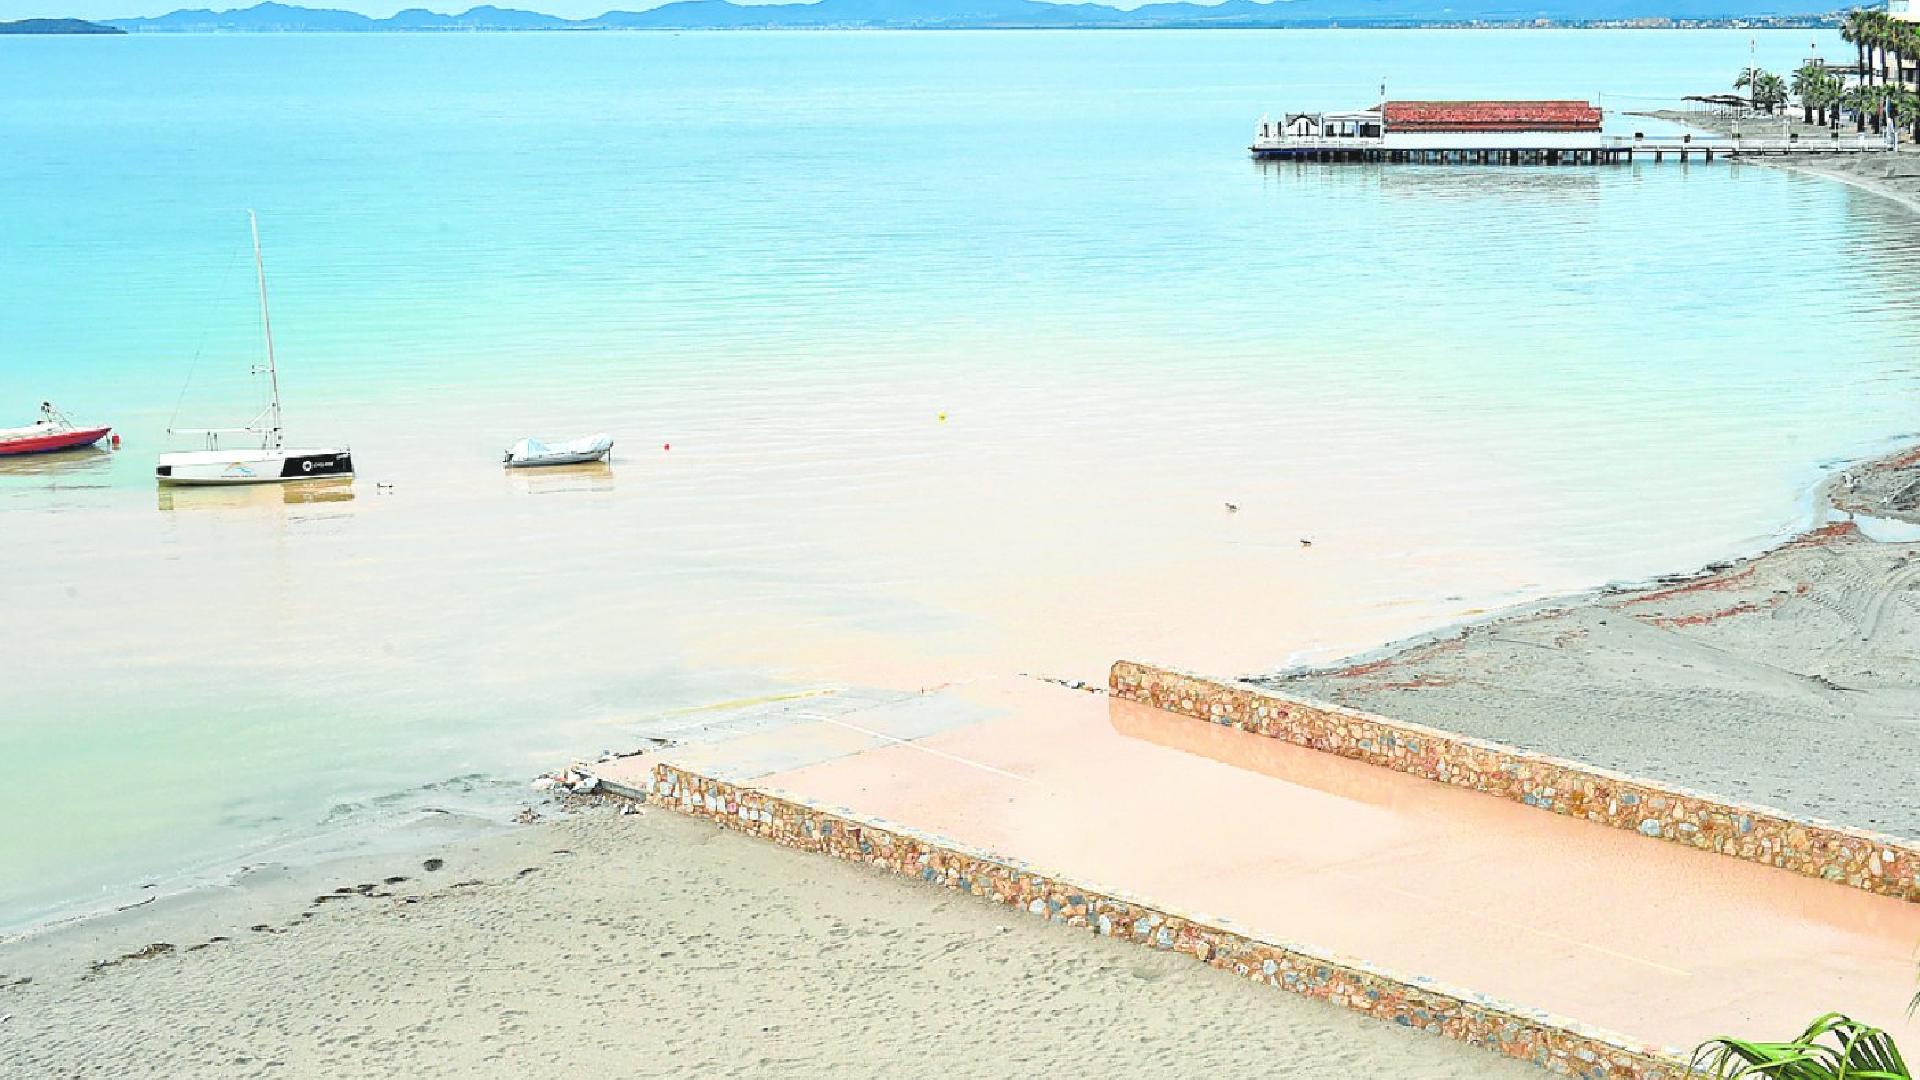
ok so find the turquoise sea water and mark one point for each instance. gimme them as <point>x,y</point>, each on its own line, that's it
<point>959,342</point>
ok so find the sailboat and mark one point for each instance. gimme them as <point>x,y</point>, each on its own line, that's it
<point>265,459</point>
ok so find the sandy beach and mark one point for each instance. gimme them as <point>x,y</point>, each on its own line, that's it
<point>1729,681</point>
<point>647,945</point>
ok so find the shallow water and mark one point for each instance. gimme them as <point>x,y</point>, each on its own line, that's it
<point>960,342</point>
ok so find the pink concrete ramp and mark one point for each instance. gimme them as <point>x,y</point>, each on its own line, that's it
<point>1661,943</point>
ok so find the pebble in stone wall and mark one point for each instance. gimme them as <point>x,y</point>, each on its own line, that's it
<point>1864,860</point>
<point>1557,1044</point>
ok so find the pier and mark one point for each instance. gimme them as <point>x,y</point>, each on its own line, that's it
<point>1513,133</point>
<point>1613,150</point>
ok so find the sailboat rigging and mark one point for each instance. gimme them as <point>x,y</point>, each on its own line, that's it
<point>270,461</point>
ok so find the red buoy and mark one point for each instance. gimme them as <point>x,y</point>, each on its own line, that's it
<point>116,440</point>
<point>666,446</point>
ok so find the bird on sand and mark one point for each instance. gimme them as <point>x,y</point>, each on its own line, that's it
<point>1232,509</point>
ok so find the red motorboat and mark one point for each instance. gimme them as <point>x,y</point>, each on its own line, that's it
<point>52,431</point>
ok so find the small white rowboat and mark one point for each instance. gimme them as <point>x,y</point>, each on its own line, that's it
<point>528,453</point>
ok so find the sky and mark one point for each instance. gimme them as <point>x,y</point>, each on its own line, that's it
<point>379,9</point>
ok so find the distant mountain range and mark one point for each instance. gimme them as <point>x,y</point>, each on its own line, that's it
<point>56,26</point>
<point>982,14</point>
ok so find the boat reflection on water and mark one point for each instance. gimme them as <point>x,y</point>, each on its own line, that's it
<point>562,479</point>
<point>317,491</point>
<point>85,462</point>
<point>242,497</point>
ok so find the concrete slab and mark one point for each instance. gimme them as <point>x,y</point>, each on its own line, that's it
<point>1659,942</point>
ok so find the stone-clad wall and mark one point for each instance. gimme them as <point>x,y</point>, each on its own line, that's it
<point>1560,1045</point>
<point>1880,864</point>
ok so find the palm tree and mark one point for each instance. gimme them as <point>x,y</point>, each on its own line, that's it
<point>1772,92</point>
<point>1886,33</point>
<point>1910,48</point>
<point>1765,89</point>
<point>1855,1051</point>
<point>1861,101</point>
<point>1828,90</point>
<point>1853,31</point>
<point>1874,33</point>
<point>1904,105</point>
<point>1893,44</point>
<point>1869,105</point>
<point>1806,86</point>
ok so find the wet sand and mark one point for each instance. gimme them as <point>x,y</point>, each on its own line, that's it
<point>649,945</point>
<point>1791,679</point>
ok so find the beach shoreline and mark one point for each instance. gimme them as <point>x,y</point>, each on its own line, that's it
<point>1728,679</point>
<point>1894,176</point>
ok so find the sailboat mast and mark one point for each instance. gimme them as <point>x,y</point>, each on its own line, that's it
<point>266,324</point>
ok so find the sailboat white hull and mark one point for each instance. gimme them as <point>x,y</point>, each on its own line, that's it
<point>253,466</point>
<point>267,461</point>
